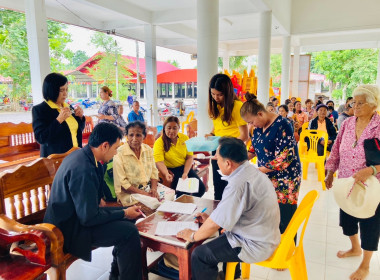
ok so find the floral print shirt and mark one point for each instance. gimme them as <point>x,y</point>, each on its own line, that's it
<point>346,158</point>
<point>109,108</point>
<point>276,149</point>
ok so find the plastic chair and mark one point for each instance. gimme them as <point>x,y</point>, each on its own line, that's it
<point>305,126</point>
<point>311,155</point>
<point>287,255</point>
<point>189,118</point>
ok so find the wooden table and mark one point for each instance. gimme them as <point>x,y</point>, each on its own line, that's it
<point>172,244</point>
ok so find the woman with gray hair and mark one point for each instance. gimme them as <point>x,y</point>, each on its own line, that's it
<point>348,157</point>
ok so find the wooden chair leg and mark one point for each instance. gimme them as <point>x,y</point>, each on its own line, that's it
<point>230,270</point>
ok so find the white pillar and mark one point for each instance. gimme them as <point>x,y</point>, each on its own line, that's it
<point>186,90</point>
<point>151,74</point>
<point>378,67</point>
<point>207,60</point>
<point>137,71</point>
<point>226,61</point>
<point>296,71</point>
<point>173,91</point>
<point>88,91</point>
<point>264,57</point>
<point>38,45</point>
<point>285,69</point>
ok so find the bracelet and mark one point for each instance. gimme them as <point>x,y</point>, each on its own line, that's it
<point>192,237</point>
<point>374,170</point>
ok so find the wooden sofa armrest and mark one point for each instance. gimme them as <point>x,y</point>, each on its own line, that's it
<point>52,232</point>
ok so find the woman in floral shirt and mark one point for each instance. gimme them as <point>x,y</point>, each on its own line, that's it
<point>108,110</point>
<point>277,155</point>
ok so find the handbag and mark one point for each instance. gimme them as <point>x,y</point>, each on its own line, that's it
<point>372,151</point>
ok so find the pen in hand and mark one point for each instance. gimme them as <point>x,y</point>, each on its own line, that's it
<point>204,210</point>
<point>142,214</point>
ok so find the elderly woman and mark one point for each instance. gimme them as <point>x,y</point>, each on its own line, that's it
<point>57,126</point>
<point>323,123</point>
<point>108,111</point>
<point>134,169</point>
<point>348,157</point>
<point>171,154</point>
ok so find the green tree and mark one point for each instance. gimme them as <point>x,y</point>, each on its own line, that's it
<point>173,62</point>
<point>109,61</point>
<point>275,69</point>
<point>237,63</point>
<point>14,56</point>
<point>346,69</point>
<point>78,58</point>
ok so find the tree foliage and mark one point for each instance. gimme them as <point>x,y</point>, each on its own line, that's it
<point>14,55</point>
<point>346,68</point>
<point>237,63</point>
<point>275,69</point>
<point>173,62</point>
<point>108,61</point>
<point>78,58</point>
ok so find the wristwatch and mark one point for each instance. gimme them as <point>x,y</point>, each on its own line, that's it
<point>192,237</point>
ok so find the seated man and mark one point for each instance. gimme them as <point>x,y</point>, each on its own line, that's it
<point>248,212</point>
<point>74,207</point>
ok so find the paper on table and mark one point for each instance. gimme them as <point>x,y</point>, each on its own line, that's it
<point>172,228</point>
<point>177,207</point>
<point>189,185</point>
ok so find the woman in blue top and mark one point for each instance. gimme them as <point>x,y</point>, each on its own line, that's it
<point>277,155</point>
<point>108,110</point>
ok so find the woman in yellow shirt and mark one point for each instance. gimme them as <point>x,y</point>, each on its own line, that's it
<point>224,110</point>
<point>170,153</point>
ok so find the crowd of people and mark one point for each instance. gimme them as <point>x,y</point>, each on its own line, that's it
<point>256,204</point>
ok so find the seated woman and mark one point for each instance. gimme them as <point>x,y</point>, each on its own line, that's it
<point>321,122</point>
<point>170,153</point>
<point>108,111</point>
<point>134,170</point>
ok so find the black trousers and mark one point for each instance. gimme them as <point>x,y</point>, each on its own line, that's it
<point>205,258</point>
<point>178,171</point>
<point>124,236</point>
<point>369,229</point>
<point>219,184</point>
<point>286,213</point>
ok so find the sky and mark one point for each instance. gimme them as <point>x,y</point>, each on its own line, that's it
<point>81,41</point>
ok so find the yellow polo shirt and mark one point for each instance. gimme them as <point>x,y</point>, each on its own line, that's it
<point>222,128</point>
<point>71,122</point>
<point>176,156</point>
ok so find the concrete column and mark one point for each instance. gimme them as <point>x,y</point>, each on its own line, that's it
<point>285,68</point>
<point>207,60</point>
<point>296,71</point>
<point>173,92</point>
<point>137,71</point>
<point>38,45</point>
<point>88,91</point>
<point>185,89</point>
<point>378,67</point>
<point>264,57</point>
<point>226,61</point>
<point>151,74</point>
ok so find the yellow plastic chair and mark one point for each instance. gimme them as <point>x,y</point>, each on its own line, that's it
<point>287,255</point>
<point>311,155</point>
<point>305,126</point>
<point>189,118</point>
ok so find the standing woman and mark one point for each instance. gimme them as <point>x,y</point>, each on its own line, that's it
<point>57,126</point>
<point>302,117</point>
<point>309,110</point>
<point>348,157</point>
<point>277,155</point>
<point>224,110</point>
<point>170,153</point>
<point>108,110</point>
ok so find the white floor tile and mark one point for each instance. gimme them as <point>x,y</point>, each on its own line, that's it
<point>315,271</point>
<point>79,270</point>
<point>335,236</point>
<point>258,272</point>
<point>315,232</point>
<point>335,273</point>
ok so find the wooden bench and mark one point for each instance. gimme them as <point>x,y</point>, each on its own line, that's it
<point>17,142</point>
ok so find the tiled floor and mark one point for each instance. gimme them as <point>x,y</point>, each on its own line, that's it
<point>323,238</point>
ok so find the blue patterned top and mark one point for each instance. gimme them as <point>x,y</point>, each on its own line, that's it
<point>276,149</point>
<point>109,108</point>
<point>132,116</point>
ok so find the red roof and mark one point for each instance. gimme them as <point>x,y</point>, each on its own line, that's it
<point>162,66</point>
<point>178,76</point>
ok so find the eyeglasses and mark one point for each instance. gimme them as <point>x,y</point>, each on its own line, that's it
<point>358,104</point>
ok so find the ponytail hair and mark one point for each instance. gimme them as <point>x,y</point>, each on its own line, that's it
<point>107,90</point>
<point>252,106</point>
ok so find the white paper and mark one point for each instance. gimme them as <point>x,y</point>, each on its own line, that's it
<point>189,185</point>
<point>177,207</point>
<point>172,228</point>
